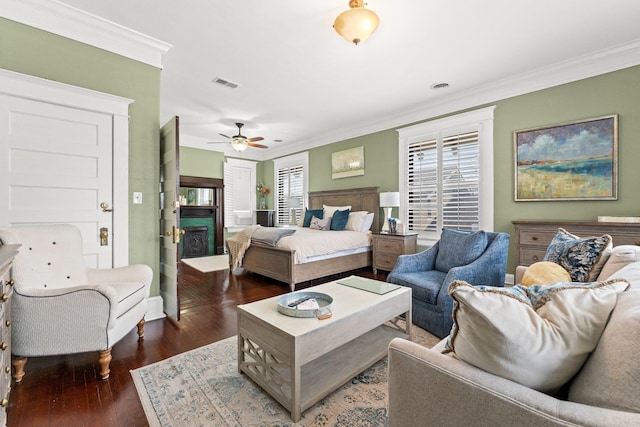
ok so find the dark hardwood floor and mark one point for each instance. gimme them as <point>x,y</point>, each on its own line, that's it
<point>65,390</point>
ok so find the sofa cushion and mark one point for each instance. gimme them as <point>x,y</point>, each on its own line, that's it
<point>544,273</point>
<point>582,258</point>
<point>611,376</point>
<point>129,295</point>
<point>620,257</point>
<point>458,248</point>
<point>309,214</point>
<point>425,285</point>
<point>537,336</point>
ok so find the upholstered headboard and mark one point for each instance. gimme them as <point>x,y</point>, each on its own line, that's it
<point>360,199</point>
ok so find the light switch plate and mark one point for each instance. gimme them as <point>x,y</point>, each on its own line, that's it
<point>137,198</point>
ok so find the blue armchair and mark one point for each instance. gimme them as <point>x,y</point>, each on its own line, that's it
<point>478,258</point>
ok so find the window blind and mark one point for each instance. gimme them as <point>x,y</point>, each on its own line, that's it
<point>289,185</point>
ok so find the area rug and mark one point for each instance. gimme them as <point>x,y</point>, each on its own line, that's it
<point>208,264</point>
<point>202,387</point>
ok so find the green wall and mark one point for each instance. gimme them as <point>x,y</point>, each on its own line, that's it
<point>612,93</point>
<point>38,53</point>
<point>203,163</point>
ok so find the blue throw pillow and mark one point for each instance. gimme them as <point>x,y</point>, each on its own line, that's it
<point>582,258</point>
<point>339,220</point>
<point>457,248</point>
<point>310,213</point>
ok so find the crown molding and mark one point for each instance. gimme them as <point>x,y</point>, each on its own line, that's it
<point>596,63</point>
<point>67,21</point>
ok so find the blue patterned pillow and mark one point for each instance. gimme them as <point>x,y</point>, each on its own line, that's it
<point>582,258</point>
<point>457,248</point>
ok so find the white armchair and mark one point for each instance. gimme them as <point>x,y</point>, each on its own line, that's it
<point>60,306</point>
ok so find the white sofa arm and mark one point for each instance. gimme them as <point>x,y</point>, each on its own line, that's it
<point>517,278</point>
<point>49,319</point>
<point>425,386</point>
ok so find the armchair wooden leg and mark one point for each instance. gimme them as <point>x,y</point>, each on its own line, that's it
<point>18,365</point>
<point>104,359</point>
<point>141,329</point>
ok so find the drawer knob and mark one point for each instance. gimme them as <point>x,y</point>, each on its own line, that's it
<point>534,238</point>
<point>535,258</point>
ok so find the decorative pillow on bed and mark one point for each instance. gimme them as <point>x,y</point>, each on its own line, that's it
<point>367,222</point>
<point>582,258</point>
<point>330,210</point>
<point>320,224</point>
<point>538,336</point>
<point>310,213</point>
<point>339,220</point>
<point>356,220</point>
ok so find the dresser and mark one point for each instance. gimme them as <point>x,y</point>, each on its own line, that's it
<point>387,247</point>
<point>533,237</point>
<point>7,254</point>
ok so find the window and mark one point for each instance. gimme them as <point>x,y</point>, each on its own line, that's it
<point>239,193</point>
<point>291,182</point>
<point>446,174</point>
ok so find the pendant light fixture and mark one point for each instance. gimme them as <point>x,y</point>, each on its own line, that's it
<point>356,24</point>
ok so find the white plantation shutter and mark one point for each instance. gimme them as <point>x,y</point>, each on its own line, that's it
<point>291,181</point>
<point>239,193</point>
<point>290,184</point>
<point>447,174</point>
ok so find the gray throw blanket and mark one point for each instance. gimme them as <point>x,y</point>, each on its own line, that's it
<point>270,235</point>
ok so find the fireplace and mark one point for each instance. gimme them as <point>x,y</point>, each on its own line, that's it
<point>195,241</point>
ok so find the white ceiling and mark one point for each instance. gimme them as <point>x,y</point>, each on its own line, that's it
<point>301,83</point>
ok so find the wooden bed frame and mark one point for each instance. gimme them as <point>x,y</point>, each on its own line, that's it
<point>279,264</point>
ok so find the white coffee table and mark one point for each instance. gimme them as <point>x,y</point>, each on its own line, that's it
<point>299,361</point>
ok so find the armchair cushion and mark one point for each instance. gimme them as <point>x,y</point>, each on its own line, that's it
<point>538,336</point>
<point>582,258</point>
<point>425,285</point>
<point>459,248</point>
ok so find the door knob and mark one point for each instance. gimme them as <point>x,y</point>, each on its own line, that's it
<point>105,207</point>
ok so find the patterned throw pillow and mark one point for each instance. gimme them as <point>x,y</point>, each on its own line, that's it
<point>538,336</point>
<point>582,258</point>
<point>320,224</point>
<point>310,213</point>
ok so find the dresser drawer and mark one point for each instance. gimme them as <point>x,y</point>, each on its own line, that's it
<point>531,256</point>
<point>389,245</point>
<point>536,237</point>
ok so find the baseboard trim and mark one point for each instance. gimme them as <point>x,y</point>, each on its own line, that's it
<point>155,310</point>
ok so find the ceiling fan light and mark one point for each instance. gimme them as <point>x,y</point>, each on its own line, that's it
<point>239,144</point>
<point>356,24</point>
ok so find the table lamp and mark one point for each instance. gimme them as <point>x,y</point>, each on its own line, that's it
<point>388,201</point>
<point>294,204</point>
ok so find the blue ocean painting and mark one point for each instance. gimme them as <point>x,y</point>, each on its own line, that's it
<point>575,161</point>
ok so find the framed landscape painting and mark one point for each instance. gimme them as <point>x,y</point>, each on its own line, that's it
<point>570,161</point>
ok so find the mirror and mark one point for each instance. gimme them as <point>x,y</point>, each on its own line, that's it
<point>190,196</point>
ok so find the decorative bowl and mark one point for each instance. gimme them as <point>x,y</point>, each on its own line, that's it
<point>324,304</point>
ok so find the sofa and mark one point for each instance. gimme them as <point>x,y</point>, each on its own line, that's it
<point>435,387</point>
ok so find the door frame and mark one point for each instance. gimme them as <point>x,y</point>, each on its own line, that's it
<point>25,86</point>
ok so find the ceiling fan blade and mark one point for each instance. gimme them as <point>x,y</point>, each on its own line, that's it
<point>255,139</point>
<point>254,145</point>
<point>228,137</point>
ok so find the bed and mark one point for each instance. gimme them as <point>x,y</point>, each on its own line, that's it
<point>280,264</point>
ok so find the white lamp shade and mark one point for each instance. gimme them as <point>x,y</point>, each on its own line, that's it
<point>294,202</point>
<point>389,199</point>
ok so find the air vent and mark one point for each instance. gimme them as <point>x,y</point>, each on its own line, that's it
<point>224,82</point>
<point>437,86</point>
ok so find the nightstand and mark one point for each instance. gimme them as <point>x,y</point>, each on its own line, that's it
<point>265,217</point>
<point>387,247</point>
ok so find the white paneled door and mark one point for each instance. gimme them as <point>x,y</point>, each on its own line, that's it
<point>57,166</point>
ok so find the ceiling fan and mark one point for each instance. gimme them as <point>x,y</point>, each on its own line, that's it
<point>240,142</point>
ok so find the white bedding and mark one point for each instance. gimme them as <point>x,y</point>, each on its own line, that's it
<point>309,243</point>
